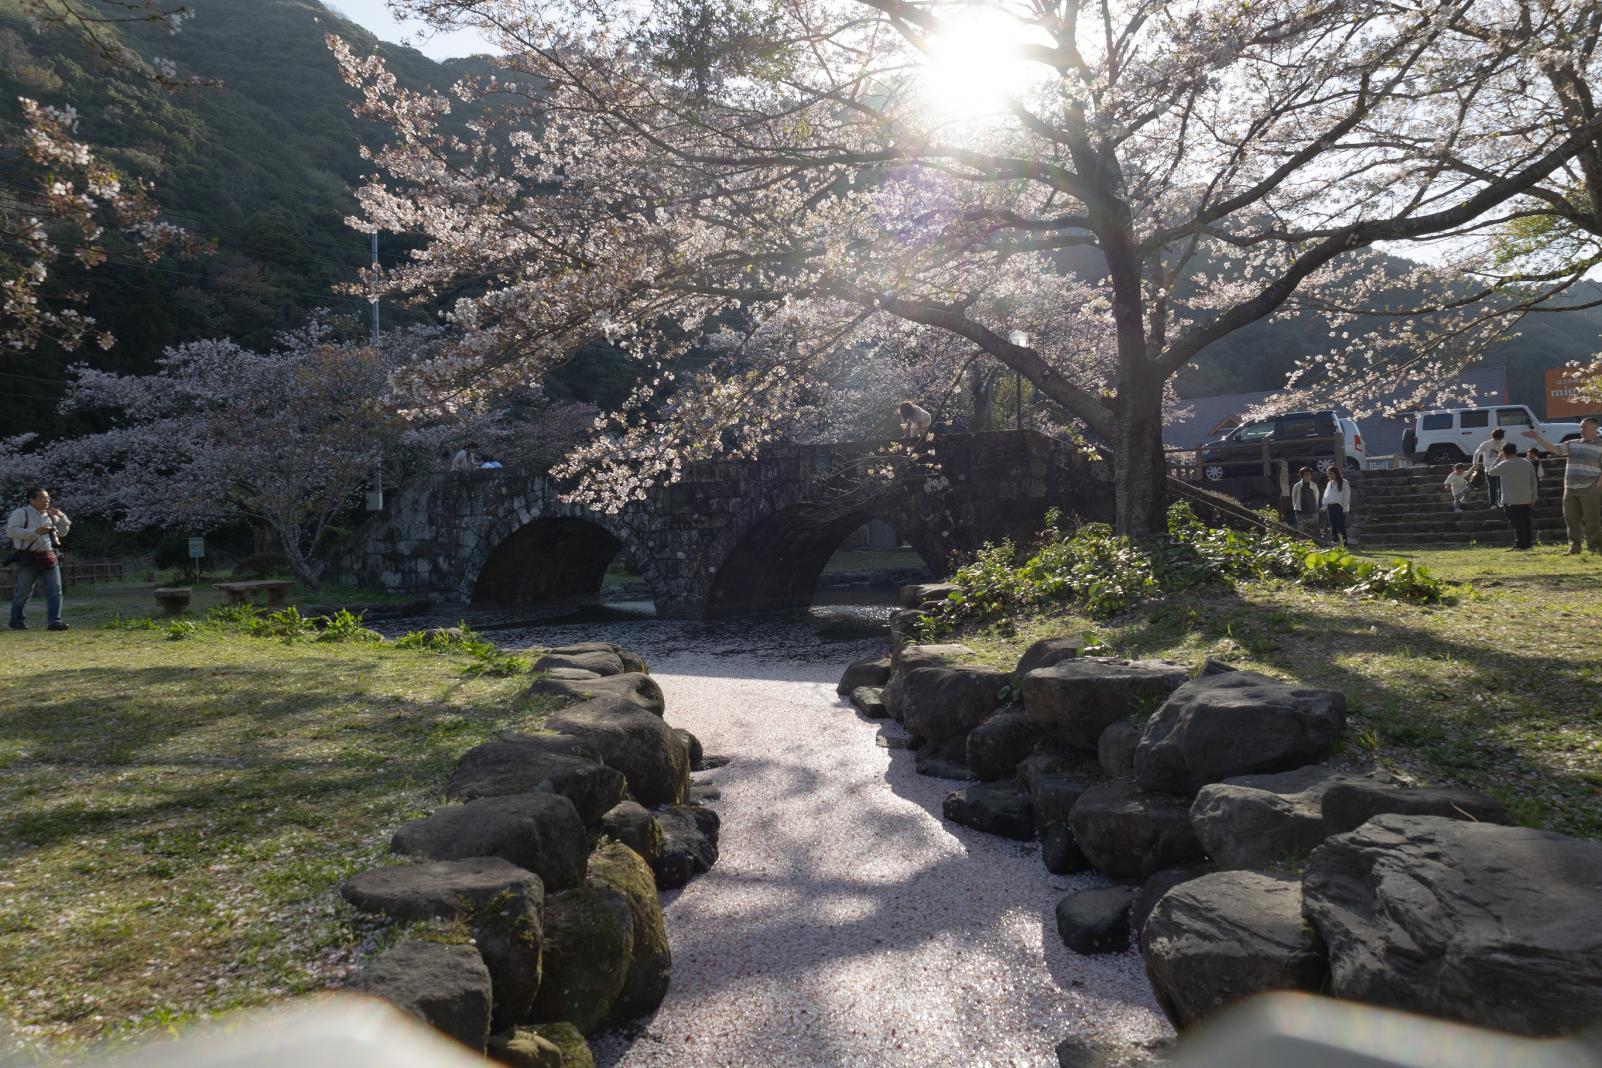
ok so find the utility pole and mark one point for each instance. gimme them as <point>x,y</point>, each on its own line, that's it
<point>375,499</point>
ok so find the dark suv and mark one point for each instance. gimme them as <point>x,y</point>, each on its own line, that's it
<point>1302,439</point>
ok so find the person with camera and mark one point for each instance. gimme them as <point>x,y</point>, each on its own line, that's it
<point>36,530</point>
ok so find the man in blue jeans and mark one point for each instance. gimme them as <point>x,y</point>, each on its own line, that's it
<point>35,530</point>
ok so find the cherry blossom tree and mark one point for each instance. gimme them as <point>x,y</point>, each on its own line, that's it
<point>75,198</point>
<point>218,433</point>
<point>1089,193</point>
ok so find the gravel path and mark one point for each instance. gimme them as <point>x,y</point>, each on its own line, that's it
<point>845,923</point>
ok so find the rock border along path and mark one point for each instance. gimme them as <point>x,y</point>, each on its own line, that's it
<point>845,923</point>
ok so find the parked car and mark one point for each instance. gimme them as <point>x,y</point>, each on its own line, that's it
<point>1451,435</point>
<point>1301,439</point>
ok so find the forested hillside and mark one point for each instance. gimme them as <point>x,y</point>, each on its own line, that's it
<point>265,164</point>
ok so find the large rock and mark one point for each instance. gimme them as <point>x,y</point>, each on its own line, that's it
<point>625,872</point>
<point>1254,820</point>
<point>1219,727</point>
<point>1043,762</point>
<point>1060,851</point>
<point>921,593</point>
<point>869,671</point>
<point>524,1047</point>
<point>692,747</point>
<point>941,703</point>
<point>1153,889</point>
<point>870,701</point>
<point>689,844</point>
<point>1130,834</point>
<point>894,697</point>
<point>1048,652</point>
<point>636,828</point>
<point>910,658</point>
<point>1053,798</point>
<point>640,745</point>
<point>1346,806</point>
<point>528,763</point>
<point>1075,700</point>
<point>997,745</point>
<point>600,661</point>
<point>541,832</point>
<point>606,950</point>
<point>447,987</point>
<point>631,661</point>
<point>993,807</point>
<point>1115,749</point>
<point>1214,940</point>
<point>500,903</point>
<point>631,685</point>
<point>1496,926</point>
<point>1096,921</point>
<point>943,760</point>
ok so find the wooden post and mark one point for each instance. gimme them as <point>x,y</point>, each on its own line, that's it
<point>1340,451</point>
<point>1282,469</point>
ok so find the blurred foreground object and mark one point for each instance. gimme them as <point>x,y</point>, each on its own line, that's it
<point>1305,1031</point>
<point>339,1031</point>
<point>1271,1031</point>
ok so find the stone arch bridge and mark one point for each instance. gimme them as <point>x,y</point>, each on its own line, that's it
<point>730,537</point>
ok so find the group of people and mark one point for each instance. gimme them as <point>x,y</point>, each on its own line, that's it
<point>1314,506</point>
<point>1512,482</point>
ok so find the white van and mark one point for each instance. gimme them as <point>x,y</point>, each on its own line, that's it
<point>1450,436</point>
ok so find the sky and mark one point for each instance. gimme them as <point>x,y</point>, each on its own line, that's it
<point>375,16</point>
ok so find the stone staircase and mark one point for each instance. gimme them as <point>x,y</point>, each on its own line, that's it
<point>1409,507</point>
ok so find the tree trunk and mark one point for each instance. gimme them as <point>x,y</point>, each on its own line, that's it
<point>297,559</point>
<point>1140,472</point>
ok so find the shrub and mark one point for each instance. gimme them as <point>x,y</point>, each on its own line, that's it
<point>172,551</point>
<point>344,627</point>
<point>1102,573</point>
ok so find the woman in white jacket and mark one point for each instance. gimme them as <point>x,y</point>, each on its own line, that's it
<point>1337,502</point>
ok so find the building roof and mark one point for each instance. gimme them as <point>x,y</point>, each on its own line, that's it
<point>1210,418</point>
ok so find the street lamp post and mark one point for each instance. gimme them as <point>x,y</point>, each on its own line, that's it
<point>1021,339</point>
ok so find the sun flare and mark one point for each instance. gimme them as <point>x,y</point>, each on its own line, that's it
<point>973,65</point>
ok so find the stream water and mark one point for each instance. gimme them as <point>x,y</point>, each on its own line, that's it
<point>845,922</point>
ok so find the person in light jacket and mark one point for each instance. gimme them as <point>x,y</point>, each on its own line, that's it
<point>1337,503</point>
<point>1519,486</point>
<point>1487,456</point>
<point>35,531</point>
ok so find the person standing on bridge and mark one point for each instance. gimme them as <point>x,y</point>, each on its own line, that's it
<point>915,421</point>
<point>466,458</point>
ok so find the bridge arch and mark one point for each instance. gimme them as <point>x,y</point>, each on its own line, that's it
<point>777,561</point>
<point>545,559</point>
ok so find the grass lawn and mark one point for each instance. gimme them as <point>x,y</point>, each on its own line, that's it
<point>1501,691</point>
<point>852,561</point>
<point>179,812</point>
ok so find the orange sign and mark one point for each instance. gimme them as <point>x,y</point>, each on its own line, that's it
<point>1563,393</point>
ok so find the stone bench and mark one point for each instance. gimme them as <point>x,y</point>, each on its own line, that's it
<point>275,590</point>
<point>174,600</point>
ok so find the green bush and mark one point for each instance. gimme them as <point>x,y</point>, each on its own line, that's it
<point>486,658</point>
<point>172,551</point>
<point>1102,573</point>
<point>344,627</point>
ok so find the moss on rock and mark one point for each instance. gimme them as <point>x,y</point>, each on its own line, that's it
<point>566,1037</point>
<point>589,944</point>
<point>620,868</point>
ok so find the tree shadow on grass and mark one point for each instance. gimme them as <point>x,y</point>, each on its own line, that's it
<point>1439,694</point>
<point>161,748</point>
